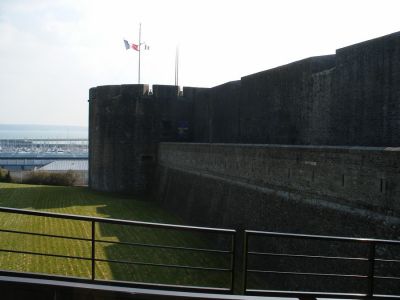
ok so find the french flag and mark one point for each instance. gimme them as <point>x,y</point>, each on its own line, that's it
<point>133,46</point>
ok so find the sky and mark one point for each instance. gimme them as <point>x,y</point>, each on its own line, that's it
<point>53,51</point>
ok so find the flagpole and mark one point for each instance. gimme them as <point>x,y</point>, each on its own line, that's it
<point>177,66</point>
<point>140,35</point>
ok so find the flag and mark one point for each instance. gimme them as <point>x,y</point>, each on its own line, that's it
<point>133,46</point>
<point>127,46</point>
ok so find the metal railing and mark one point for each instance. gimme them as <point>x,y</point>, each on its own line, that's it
<point>245,255</point>
<point>94,241</point>
<point>365,289</point>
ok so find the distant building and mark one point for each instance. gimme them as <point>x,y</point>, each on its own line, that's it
<point>79,167</point>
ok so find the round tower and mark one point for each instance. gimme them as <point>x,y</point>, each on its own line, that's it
<point>117,153</point>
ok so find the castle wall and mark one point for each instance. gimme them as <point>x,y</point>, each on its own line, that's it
<point>201,115</point>
<point>316,190</point>
<point>225,112</point>
<point>276,105</point>
<point>166,97</point>
<point>351,98</point>
<point>320,129</point>
<point>367,93</point>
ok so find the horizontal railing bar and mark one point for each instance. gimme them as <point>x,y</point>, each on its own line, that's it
<point>163,265</point>
<point>387,277</point>
<point>110,283</point>
<point>307,256</point>
<point>45,235</point>
<point>308,274</point>
<point>378,296</point>
<point>44,254</point>
<point>165,246</point>
<point>115,221</point>
<point>387,260</point>
<point>320,237</point>
<point>300,293</point>
<point>171,287</point>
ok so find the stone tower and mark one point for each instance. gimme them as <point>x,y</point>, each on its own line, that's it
<point>120,146</point>
<point>126,123</point>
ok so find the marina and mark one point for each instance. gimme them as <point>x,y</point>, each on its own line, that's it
<point>28,154</point>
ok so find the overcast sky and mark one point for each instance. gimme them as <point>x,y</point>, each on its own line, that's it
<point>53,51</point>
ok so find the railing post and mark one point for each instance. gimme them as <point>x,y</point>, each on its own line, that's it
<point>239,264</point>
<point>245,259</point>
<point>233,262</point>
<point>93,257</point>
<point>371,270</point>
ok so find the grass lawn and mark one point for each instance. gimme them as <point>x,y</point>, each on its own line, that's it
<point>82,201</point>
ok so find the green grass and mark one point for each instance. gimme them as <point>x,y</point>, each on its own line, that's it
<point>82,201</point>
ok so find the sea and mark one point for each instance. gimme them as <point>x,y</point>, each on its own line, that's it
<point>26,131</point>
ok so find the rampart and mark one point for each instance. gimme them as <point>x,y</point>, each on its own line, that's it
<point>307,147</point>
<point>299,189</point>
<point>347,99</point>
